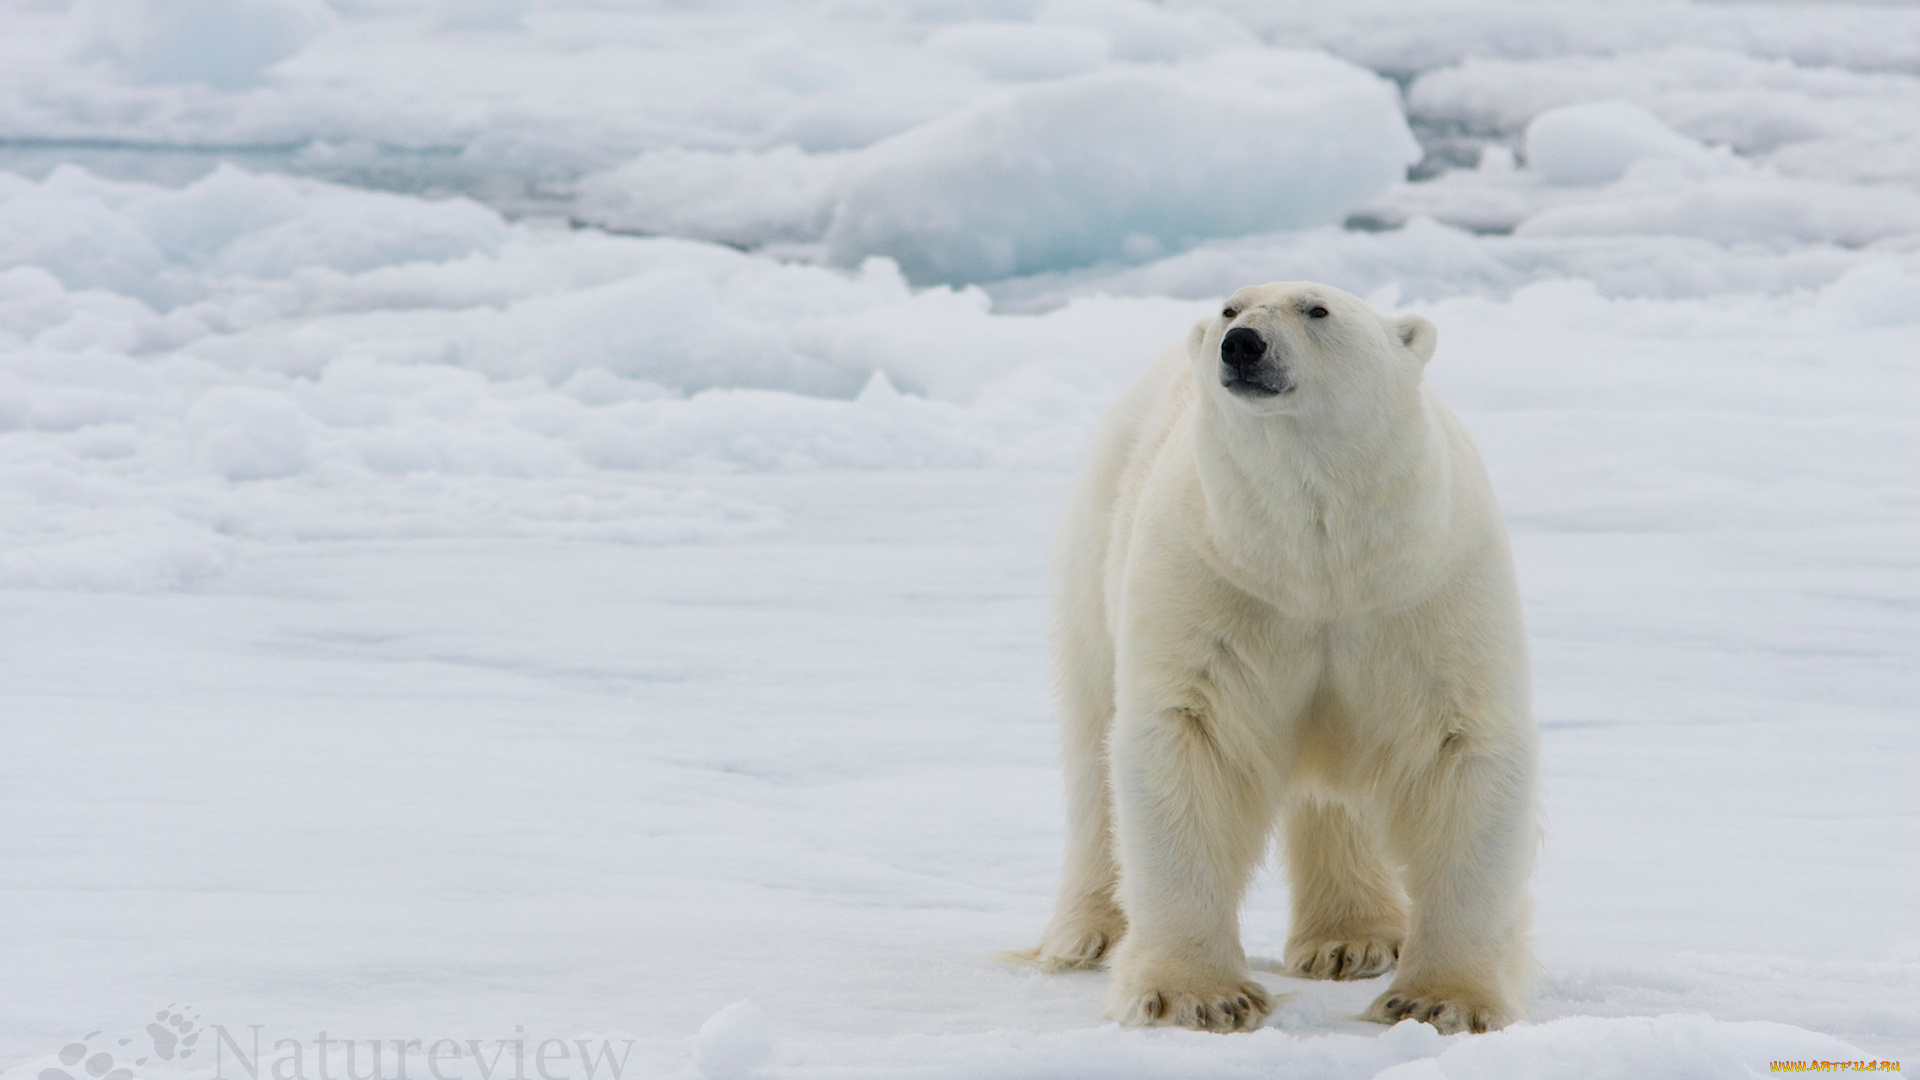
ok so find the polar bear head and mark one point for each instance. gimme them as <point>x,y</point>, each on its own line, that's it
<point>1301,348</point>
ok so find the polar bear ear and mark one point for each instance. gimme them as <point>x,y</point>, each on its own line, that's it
<point>1418,335</point>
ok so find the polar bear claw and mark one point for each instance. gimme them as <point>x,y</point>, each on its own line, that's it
<point>1342,960</point>
<point>1228,1005</point>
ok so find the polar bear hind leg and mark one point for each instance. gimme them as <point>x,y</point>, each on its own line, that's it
<point>1349,916</point>
<point>1087,922</point>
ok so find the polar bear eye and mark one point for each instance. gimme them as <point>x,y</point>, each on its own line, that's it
<point>1317,312</point>
<point>1228,313</point>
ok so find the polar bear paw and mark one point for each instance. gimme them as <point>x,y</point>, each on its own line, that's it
<point>1075,950</point>
<point>1075,942</point>
<point>1449,1013</point>
<point>1353,958</point>
<point>1230,1005</point>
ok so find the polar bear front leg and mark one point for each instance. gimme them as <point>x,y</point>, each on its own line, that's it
<point>1467,830</point>
<point>1192,819</point>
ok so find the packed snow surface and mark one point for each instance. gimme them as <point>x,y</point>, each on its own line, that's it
<point>523,522</point>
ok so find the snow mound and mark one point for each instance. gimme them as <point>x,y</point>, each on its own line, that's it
<point>747,199</point>
<point>1878,293</point>
<point>733,1042</point>
<point>166,246</point>
<point>1597,143</point>
<point>1657,198</point>
<point>140,552</point>
<point>1820,122</point>
<point>226,43</point>
<point>245,434</point>
<point>1614,169</point>
<point>1123,166</point>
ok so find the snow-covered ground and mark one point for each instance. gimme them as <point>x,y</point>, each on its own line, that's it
<point>524,520</point>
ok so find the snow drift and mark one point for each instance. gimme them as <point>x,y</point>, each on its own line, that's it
<point>1597,142</point>
<point>226,43</point>
<point>1123,166</point>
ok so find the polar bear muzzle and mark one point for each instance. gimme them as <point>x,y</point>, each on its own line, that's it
<point>1247,369</point>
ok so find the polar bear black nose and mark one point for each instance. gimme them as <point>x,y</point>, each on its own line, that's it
<point>1241,349</point>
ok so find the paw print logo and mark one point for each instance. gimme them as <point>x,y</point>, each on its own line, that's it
<point>171,1035</point>
<point>98,1063</point>
<point>172,1032</point>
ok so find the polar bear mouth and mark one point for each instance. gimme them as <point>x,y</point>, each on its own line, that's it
<point>1253,387</point>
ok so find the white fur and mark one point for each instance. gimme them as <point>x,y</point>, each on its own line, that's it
<point>1296,609</point>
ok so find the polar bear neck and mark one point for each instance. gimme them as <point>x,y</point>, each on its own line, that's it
<point>1375,455</point>
<point>1346,509</point>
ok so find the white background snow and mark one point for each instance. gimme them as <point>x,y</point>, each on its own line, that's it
<point>524,520</point>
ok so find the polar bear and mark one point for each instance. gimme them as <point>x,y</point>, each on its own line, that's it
<point>1284,596</point>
